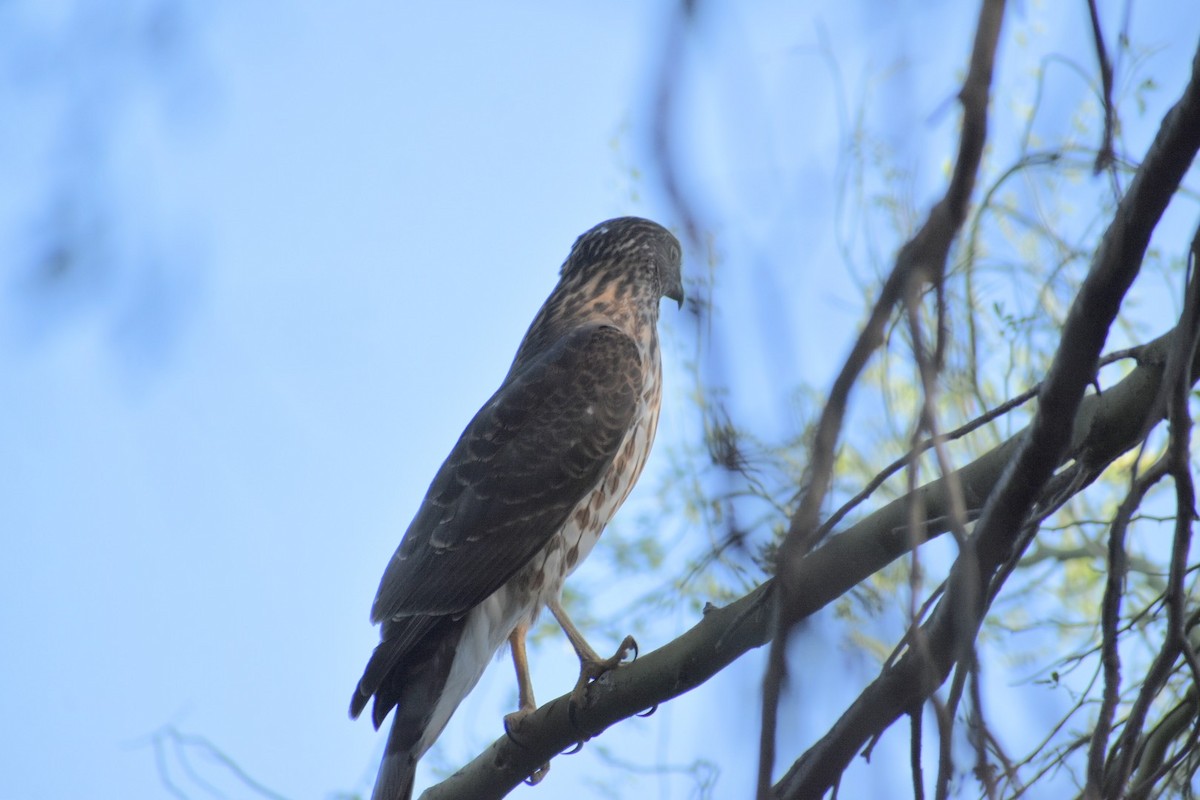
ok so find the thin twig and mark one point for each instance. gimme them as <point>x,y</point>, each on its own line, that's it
<point>894,467</point>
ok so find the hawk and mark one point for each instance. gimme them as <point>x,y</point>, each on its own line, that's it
<point>524,495</point>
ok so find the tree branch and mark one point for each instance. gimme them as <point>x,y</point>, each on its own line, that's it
<point>952,627</point>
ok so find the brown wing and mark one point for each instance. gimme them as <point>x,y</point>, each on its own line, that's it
<point>535,449</point>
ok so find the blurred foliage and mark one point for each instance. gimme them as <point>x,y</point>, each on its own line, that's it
<point>79,215</point>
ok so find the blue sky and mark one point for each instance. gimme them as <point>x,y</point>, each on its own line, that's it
<point>329,229</point>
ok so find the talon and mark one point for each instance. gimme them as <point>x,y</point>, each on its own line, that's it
<point>631,643</point>
<point>590,669</point>
<point>578,746</point>
<point>537,775</point>
<point>649,711</point>
<point>514,720</point>
<point>579,693</point>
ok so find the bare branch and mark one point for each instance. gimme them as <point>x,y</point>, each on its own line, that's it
<point>894,467</point>
<point>183,748</point>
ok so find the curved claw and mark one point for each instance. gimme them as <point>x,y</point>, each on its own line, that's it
<point>573,718</point>
<point>578,746</point>
<point>512,737</point>
<point>592,667</point>
<point>649,712</point>
<point>512,722</point>
<point>628,644</point>
<point>537,775</point>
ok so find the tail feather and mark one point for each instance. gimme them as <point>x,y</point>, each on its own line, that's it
<point>396,774</point>
<point>401,639</point>
<point>410,678</point>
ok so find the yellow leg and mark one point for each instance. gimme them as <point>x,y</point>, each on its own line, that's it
<point>526,705</point>
<point>591,665</point>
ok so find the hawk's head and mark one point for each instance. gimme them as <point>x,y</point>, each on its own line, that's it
<point>640,252</point>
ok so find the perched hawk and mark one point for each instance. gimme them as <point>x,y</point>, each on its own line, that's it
<point>524,495</point>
